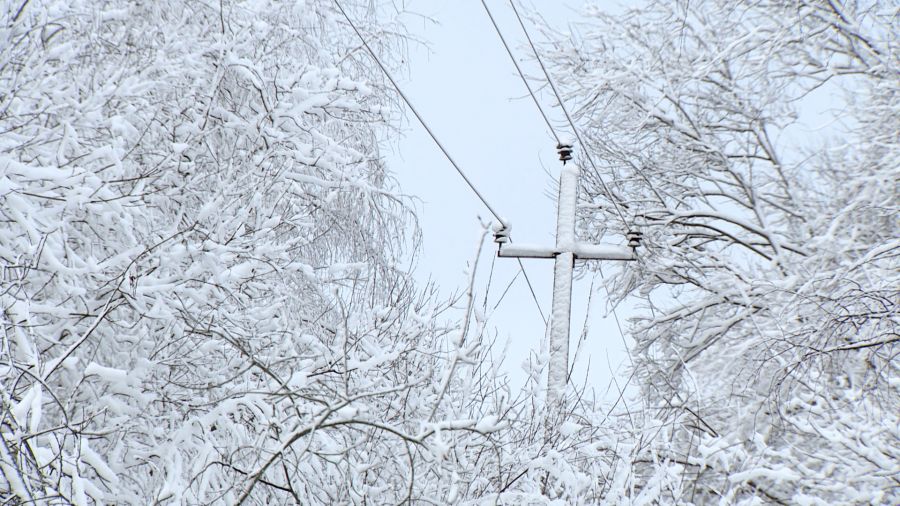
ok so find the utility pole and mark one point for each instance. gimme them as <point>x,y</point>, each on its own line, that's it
<point>565,252</point>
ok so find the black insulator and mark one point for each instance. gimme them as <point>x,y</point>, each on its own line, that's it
<point>634,239</point>
<point>565,151</point>
<point>501,234</point>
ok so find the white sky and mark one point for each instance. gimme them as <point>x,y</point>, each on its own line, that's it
<point>467,90</point>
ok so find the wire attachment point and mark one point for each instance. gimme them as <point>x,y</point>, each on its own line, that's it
<point>634,238</point>
<point>501,233</point>
<point>564,148</point>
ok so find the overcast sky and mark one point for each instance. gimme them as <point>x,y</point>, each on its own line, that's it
<point>466,88</point>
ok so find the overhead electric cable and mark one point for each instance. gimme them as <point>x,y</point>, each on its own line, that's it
<point>565,111</point>
<point>519,70</point>
<point>439,145</point>
<point>419,116</point>
<point>531,289</point>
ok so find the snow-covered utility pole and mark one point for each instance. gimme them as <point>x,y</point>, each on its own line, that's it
<point>566,251</point>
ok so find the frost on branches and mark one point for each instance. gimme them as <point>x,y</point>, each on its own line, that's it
<point>198,243</point>
<point>768,336</point>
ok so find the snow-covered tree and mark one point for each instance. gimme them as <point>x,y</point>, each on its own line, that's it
<point>201,280</point>
<point>767,341</point>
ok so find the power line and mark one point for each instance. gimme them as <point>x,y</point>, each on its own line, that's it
<point>419,116</point>
<point>441,146</point>
<point>519,70</point>
<point>531,289</point>
<point>616,317</point>
<point>528,281</point>
<point>562,106</point>
<point>503,295</point>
